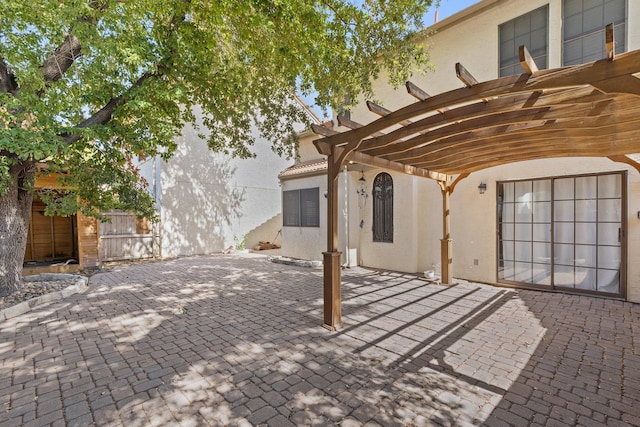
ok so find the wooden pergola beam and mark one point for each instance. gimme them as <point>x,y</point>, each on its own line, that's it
<point>379,162</point>
<point>510,125</point>
<point>351,124</point>
<point>416,92</point>
<point>446,155</point>
<point>626,160</point>
<point>526,153</point>
<point>563,146</point>
<point>411,147</point>
<point>610,42</point>
<point>526,60</point>
<point>587,110</point>
<point>491,106</point>
<point>348,123</point>
<point>323,130</point>
<point>465,76</point>
<point>381,111</point>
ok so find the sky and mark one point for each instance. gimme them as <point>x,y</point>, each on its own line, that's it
<point>446,9</point>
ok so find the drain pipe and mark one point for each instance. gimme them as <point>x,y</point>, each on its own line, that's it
<point>346,216</point>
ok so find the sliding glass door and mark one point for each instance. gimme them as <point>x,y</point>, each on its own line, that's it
<point>562,233</point>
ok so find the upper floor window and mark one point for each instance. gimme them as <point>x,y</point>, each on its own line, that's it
<point>583,29</point>
<point>383,208</point>
<point>530,30</point>
<point>301,208</point>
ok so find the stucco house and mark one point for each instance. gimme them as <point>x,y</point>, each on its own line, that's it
<point>566,224</point>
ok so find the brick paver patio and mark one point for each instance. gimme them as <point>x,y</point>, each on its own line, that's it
<point>227,340</point>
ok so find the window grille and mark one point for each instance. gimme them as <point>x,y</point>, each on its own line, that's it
<point>383,208</point>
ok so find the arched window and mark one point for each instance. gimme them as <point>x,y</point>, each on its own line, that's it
<point>383,208</point>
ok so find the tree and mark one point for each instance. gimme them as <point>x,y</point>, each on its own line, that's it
<point>88,85</point>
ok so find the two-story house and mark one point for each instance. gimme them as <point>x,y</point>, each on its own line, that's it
<point>566,224</point>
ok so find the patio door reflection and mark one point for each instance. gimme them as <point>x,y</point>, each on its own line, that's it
<point>562,233</point>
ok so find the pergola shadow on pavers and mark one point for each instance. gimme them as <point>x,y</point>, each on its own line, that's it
<point>588,110</point>
<point>223,340</point>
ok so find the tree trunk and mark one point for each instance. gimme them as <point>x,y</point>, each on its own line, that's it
<point>15,214</point>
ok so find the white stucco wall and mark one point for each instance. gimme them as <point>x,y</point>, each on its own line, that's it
<point>210,201</point>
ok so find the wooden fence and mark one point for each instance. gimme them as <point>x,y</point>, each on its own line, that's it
<point>127,238</point>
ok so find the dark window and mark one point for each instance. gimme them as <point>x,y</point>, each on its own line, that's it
<point>583,33</point>
<point>530,30</point>
<point>383,208</point>
<point>301,208</point>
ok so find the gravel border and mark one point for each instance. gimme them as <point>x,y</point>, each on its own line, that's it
<point>81,283</point>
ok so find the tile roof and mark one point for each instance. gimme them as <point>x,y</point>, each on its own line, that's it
<point>311,167</point>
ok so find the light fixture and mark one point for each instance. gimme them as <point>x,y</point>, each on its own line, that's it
<point>482,187</point>
<point>362,188</point>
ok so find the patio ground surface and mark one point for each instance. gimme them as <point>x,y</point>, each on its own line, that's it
<point>231,340</point>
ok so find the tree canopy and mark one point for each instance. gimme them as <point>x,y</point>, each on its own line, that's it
<point>88,85</point>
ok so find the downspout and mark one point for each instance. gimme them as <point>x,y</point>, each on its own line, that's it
<point>157,227</point>
<point>346,216</point>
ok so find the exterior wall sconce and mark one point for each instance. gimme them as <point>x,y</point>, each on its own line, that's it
<point>482,187</point>
<point>362,189</point>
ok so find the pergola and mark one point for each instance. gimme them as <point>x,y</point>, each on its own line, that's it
<point>590,110</point>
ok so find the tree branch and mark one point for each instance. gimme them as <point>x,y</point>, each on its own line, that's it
<point>104,115</point>
<point>8,82</point>
<point>62,58</point>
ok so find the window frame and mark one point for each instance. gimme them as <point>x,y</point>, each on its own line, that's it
<point>621,42</point>
<point>305,208</point>
<point>514,62</point>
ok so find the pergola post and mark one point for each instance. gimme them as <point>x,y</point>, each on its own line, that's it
<point>332,258</point>
<point>446,243</point>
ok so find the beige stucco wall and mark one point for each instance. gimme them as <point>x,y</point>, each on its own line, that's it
<point>472,41</point>
<point>306,149</point>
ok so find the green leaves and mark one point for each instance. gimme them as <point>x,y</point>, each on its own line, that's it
<point>146,66</point>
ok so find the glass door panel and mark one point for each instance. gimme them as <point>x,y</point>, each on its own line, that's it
<point>562,232</point>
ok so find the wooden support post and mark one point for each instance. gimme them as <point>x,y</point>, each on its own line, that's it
<point>331,258</point>
<point>332,291</point>
<point>446,244</point>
